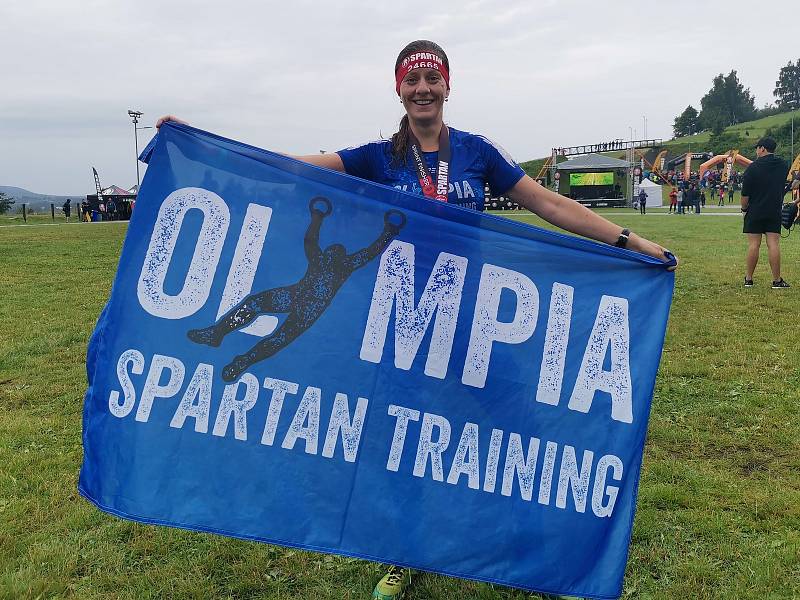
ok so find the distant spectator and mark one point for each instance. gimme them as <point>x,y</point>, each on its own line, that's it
<point>696,199</point>
<point>111,209</point>
<point>721,195</point>
<point>673,200</point>
<point>642,202</point>
<point>730,192</point>
<point>680,201</point>
<point>67,208</point>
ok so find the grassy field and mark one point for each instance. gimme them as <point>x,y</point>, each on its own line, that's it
<point>719,503</point>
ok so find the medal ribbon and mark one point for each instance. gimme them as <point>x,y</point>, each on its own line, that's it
<point>437,190</point>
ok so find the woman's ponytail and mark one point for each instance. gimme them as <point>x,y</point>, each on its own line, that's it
<point>401,141</point>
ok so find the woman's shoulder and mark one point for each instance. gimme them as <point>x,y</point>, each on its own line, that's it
<point>382,145</point>
<point>468,137</point>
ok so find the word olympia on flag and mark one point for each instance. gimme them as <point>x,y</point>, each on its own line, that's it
<point>300,357</point>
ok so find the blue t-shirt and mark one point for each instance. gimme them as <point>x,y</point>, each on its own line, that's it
<point>475,160</point>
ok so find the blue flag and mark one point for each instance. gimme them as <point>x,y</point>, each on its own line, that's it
<point>300,357</point>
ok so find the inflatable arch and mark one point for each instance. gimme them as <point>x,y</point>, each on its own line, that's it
<point>731,157</point>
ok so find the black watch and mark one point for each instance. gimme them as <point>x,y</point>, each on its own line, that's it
<point>622,241</point>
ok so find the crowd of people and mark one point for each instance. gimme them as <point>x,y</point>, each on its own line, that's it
<point>110,210</point>
<point>683,200</point>
<point>691,194</point>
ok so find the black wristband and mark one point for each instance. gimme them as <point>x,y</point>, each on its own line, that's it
<point>622,241</point>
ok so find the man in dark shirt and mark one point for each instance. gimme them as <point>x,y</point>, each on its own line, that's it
<point>693,201</point>
<point>762,196</point>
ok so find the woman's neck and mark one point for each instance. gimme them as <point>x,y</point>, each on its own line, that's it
<point>427,133</point>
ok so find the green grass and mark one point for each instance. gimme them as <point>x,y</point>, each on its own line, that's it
<point>33,219</point>
<point>719,504</point>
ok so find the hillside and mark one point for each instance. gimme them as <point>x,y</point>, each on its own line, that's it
<point>747,134</point>
<point>741,136</point>
<point>36,202</point>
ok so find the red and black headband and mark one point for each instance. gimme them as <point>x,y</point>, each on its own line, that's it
<point>421,60</point>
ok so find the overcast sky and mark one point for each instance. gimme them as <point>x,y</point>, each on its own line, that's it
<point>305,76</point>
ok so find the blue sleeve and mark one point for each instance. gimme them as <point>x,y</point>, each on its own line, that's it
<point>363,161</point>
<point>502,171</point>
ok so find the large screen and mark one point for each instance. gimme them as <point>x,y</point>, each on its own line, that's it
<point>591,178</point>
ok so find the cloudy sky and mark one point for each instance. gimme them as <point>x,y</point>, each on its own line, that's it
<point>304,76</point>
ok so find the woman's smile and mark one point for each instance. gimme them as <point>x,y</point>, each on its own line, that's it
<point>423,92</point>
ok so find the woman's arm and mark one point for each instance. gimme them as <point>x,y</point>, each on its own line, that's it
<point>576,218</point>
<point>330,160</point>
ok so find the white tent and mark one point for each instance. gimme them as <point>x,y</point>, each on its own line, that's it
<point>653,191</point>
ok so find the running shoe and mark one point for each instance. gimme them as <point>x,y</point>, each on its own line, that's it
<point>780,284</point>
<point>393,585</point>
<point>748,282</point>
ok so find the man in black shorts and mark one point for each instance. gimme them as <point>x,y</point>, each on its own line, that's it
<point>762,195</point>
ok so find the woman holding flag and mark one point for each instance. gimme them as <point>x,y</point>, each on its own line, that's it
<point>427,157</point>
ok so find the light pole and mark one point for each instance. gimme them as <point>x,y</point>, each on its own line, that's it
<point>631,156</point>
<point>644,119</point>
<point>135,114</point>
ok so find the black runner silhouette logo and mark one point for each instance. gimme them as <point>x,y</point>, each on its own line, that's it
<point>304,301</point>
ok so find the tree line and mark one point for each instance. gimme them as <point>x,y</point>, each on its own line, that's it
<point>728,102</point>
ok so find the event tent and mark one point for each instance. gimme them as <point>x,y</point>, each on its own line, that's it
<point>653,191</point>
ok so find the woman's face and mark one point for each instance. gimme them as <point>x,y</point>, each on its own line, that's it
<point>423,92</point>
